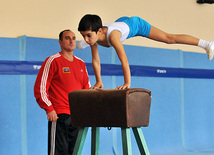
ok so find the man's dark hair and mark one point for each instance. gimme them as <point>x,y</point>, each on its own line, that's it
<point>61,34</point>
<point>90,22</point>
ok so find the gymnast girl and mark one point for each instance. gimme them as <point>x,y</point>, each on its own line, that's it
<point>113,34</point>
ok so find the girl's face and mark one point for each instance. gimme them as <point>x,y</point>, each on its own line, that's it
<point>90,37</point>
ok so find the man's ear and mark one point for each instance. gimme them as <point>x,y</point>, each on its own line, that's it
<point>60,42</point>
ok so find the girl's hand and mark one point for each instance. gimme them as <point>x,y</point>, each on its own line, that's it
<point>125,86</point>
<point>98,85</point>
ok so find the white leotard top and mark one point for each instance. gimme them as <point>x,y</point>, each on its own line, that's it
<point>120,26</point>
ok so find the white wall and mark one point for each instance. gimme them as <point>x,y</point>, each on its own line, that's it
<point>46,18</point>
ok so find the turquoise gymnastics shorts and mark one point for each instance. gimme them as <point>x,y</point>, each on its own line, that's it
<point>137,26</point>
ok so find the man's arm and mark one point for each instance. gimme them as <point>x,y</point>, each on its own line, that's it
<point>41,88</point>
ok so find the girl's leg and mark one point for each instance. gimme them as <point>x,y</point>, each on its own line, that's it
<point>159,35</point>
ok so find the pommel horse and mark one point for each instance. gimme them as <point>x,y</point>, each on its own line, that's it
<point>110,108</point>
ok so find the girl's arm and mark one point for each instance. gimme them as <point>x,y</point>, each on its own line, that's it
<point>118,46</point>
<point>96,67</point>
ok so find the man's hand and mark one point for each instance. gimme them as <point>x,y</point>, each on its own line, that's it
<point>52,116</point>
<point>98,85</point>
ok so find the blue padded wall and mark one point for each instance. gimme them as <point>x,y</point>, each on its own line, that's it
<point>181,111</point>
<point>9,48</point>
<point>10,101</point>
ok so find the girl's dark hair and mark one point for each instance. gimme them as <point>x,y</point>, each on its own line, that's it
<point>90,22</point>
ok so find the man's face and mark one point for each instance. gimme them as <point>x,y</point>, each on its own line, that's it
<point>68,42</point>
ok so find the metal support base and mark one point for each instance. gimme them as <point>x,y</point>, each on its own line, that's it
<point>126,141</point>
